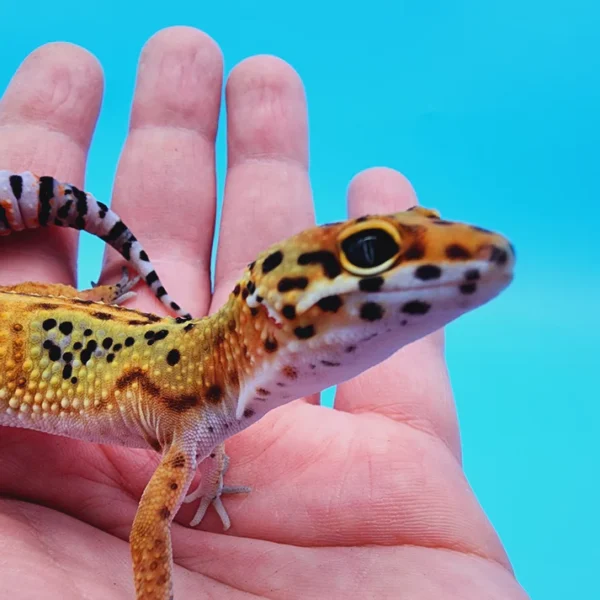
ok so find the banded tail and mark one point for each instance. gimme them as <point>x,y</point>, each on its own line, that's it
<point>29,202</point>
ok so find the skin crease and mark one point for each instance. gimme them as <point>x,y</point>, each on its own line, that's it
<point>368,501</point>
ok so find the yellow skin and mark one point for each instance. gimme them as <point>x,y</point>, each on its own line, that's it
<point>310,312</point>
<point>373,491</point>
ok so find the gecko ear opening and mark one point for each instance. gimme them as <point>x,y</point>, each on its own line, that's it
<point>369,247</point>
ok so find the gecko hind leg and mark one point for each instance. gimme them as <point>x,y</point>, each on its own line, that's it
<point>211,488</point>
<point>109,294</point>
<point>116,293</point>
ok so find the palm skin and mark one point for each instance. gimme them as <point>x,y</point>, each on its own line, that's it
<point>367,501</point>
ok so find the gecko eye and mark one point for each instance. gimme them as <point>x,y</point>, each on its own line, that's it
<point>370,249</point>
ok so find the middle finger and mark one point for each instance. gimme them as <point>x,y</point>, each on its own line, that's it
<point>267,192</point>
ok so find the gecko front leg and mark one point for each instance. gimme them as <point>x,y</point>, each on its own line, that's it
<point>150,537</point>
<point>211,487</point>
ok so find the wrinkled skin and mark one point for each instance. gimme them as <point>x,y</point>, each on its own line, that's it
<point>367,501</point>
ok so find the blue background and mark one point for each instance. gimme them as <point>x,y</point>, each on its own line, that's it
<point>491,110</point>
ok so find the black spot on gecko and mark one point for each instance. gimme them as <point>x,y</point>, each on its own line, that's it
<point>178,462</point>
<point>414,252</point>
<point>416,307</point>
<point>330,304</point>
<point>81,206</point>
<point>164,513</point>
<point>191,326</point>
<point>16,185</point>
<point>144,256</point>
<point>151,277</point>
<point>126,250</point>
<point>183,403</point>
<point>54,351</point>
<point>248,412</point>
<point>49,324</point>
<point>110,357</point>
<point>326,259</point>
<point>117,347</point>
<point>152,336</point>
<point>66,328</point>
<point>499,256</point>
<point>329,363</point>
<point>176,306</point>
<point>253,311</point>
<point>287,284</point>
<point>45,195</point>
<point>87,332</point>
<point>271,344</point>
<point>467,288</point>
<point>45,306</point>
<point>236,290</point>
<point>251,287</point>
<point>214,393</point>
<point>160,292</point>
<point>472,275</point>
<point>457,252</point>
<point>303,333</point>
<point>289,311</point>
<point>428,272</point>
<point>103,209</point>
<point>116,231</point>
<point>371,284</point>
<point>67,371</point>
<point>173,357</point>
<point>350,349</point>
<point>290,372</point>
<point>77,346</point>
<point>67,357</point>
<point>63,211</point>
<point>129,342</point>
<point>272,261</point>
<point>103,316</point>
<point>371,311</point>
<point>107,343</point>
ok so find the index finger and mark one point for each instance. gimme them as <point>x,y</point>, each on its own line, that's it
<point>165,188</point>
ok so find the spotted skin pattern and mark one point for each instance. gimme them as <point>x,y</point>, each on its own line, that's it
<point>311,311</point>
<point>29,202</point>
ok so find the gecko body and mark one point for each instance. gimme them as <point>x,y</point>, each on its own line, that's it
<point>311,311</point>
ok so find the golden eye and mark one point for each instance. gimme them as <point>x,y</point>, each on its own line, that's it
<point>369,248</point>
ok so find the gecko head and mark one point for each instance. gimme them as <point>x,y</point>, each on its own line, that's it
<point>373,284</point>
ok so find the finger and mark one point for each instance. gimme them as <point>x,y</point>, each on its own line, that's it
<point>47,117</point>
<point>165,187</point>
<point>412,386</point>
<point>267,192</point>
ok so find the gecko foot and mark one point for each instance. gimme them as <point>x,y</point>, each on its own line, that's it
<point>118,292</point>
<point>211,488</point>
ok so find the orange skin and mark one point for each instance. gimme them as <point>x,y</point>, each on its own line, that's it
<point>373,491</point>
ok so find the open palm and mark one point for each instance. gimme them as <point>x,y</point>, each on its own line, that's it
<point>365,501</point>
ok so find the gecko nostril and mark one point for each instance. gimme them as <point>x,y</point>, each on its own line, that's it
<point>498,256</point>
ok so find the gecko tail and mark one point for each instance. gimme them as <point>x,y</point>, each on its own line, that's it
<point>28,202</point>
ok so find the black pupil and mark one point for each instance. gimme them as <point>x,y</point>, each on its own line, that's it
<point>369,248</point>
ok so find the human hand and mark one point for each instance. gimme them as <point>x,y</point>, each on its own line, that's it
<point>365,501</point>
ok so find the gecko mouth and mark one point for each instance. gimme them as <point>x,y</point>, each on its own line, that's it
<point>504,278</point>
